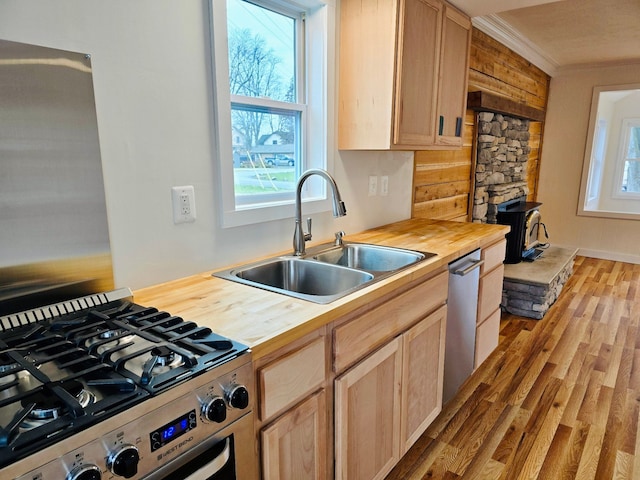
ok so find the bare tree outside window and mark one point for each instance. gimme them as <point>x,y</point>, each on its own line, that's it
<point>264,115</point>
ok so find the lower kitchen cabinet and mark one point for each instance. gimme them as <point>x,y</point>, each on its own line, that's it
<point>487,337</point>
<point>489,299</point>
<point>384,403</point>
<point>293,414</point>
<point>357,393</point>
<point>367,415</point>
<point>294,447</point>
<point>422,376</point>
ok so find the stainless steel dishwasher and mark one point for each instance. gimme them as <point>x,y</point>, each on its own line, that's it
<point>462,309</point>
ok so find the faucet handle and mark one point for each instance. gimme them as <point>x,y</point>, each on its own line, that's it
<point>339,236</point>
<point>307,236</point>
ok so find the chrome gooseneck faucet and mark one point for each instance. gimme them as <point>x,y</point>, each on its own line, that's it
<point>339,210</point>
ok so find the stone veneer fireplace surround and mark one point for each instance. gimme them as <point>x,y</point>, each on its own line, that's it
<point>502,153</point>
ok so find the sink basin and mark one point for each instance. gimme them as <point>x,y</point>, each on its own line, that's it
<point>328,272</point>
<point>372,258</point>
<point>300,278</point>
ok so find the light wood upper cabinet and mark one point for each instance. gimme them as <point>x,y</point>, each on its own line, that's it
<point>403,74</point>
<point>454,67</point>
<point>420,27</point>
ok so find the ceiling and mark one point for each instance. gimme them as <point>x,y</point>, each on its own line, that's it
<point>557,34</point>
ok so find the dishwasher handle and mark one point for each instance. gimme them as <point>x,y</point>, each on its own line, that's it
<point>465,271</point>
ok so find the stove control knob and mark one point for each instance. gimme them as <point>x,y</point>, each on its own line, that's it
<point>215,410</point>
<point>238,396</point>
<point>124,461</point>
<point>85,472</point>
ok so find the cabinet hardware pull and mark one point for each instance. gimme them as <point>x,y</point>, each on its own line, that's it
<point>458,126</point>
<point>464,271</point>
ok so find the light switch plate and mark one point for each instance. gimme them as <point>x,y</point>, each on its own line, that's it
<point>384,185</point>
<point>373,185</point>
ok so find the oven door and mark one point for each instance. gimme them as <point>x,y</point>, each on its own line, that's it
<point>228,455</point>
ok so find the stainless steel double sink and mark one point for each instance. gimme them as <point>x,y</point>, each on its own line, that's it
<point>326,272</point>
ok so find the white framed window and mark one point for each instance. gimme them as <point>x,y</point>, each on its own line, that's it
<point>610,184</point>
<point>597,162</point>
<point>270,71</point>
<point>628,163</point>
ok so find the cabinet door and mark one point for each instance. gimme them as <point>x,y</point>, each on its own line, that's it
<point>454,63</point>
<point>295,445</point>
<point>417,72</point>
<point>490,293</point>
<point>367,415</point>
<point>422,376</point>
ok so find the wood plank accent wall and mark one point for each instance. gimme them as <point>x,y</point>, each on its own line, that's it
<point>443,180</point>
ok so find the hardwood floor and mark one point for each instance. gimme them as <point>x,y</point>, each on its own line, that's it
<point>558,399</point>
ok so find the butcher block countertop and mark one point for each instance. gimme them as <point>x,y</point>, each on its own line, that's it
<point>266,321</point>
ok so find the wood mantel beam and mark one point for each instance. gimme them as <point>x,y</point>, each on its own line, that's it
<point>487,102</point>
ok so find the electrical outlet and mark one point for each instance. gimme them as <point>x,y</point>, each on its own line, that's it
<point>373,185</point>
<point>184,204</point>
<point>384,185</point>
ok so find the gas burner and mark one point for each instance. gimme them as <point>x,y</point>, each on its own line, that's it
<point>165,357</point>
<point>63,375</point>
<point>5,368</point>
<point>106,334</point>
<point>45,406</point>
<point>7,365</point>
<point>108,340</point>
<point>162,360</point>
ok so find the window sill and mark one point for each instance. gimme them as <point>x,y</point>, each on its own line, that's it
<point>248,216</point>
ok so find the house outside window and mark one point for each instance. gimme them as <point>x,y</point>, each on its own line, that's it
<point>270,73</point>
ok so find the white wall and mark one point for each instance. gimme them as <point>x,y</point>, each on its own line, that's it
<point>562,157</point>
<point>152,79</point>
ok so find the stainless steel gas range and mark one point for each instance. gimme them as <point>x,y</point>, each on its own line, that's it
<point>102,388</point>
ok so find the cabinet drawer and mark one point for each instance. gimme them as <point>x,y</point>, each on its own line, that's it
<point>493,256</point>
<point>490,293</point>
<point>487,337</point>
<point>359,337</point>
<point>289,379</point>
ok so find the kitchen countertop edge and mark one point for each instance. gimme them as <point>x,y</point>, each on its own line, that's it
<point>267,321</point>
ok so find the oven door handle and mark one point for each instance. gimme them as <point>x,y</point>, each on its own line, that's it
<point>214,466</point>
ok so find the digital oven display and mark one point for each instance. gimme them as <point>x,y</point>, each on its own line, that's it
<point>172,430</point>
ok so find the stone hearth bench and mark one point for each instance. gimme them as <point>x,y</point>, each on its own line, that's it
<point>530,288</point>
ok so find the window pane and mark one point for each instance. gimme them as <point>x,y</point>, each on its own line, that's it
<point>261,52</point>
<point>634,143</point>
<point>631,177</point>
<point>264,158</point>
